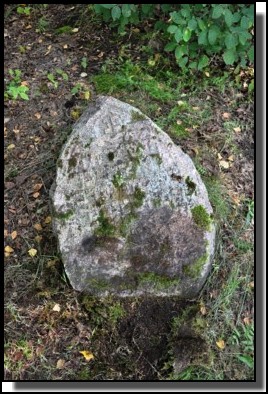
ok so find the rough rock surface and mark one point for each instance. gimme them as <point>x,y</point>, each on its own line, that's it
<point>130,210</point>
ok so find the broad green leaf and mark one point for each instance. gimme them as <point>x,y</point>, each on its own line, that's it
<point>175,16</point>
<point>230,41</point>
<point>186,35</point>
<point>244,37</point>
<point>228,16</point>
<point>126,11</point>
<point>244,23</point>
<point>193,65</point>
<point>202,38</point>
<point>170,46</point>
<point>203,62</point>
<point>116,12</point>
<point>236,17</point>
<point>192,24</point>
<point>251,54</point>
<point>248,360</point>
<point>108,6</point>
<point>217,11</point>
<point>172,29</point>
<point>201,24</point>
<point>146,8</point>
<point>24,96</point>
<point>229,56</point>
<point>213,34</point>
<point>178,35</point>
<point>183,61</point>
<point>180,51</point>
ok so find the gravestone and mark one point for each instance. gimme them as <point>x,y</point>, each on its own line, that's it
<point>130,211</point>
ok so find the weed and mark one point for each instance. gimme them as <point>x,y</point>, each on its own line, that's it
<point>15,88</point>
<point>243,338</point>
<point>24,10</point>
<point>42,25</point>
<point>51,78</point>
<point>84,62</point>
<point>64,30</point>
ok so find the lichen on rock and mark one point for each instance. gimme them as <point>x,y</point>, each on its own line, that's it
<point>133,213</point>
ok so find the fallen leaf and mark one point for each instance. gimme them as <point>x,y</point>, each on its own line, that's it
<point>207,74</point>
<point>251,284</point>
<point>38,227</point>
<point>180,102</point>
<point>37,187</point>
<point>65,46</point>
<point>136,30</point>
<point>87,95</point>
<point>221,344</point>
<point>237,129</point>
<point>219,156</point>
<point>247,320</point>
<point>224,164</point>
<point>203,310</point>
<point>196,108</point>
<point>38,238</point>
<point>5,233</point>
<point>226,115</point>
<point>179,122</point>
<point>231,158</point>
<point>196,151</point>
<point>83,75</point>
<point>28,27</point>
<point>14,234</point>
<point>48,219</point>
<point>32,252</point>
<point>60,364</point>
<point>24,83</point>
<point>38,115</point>
<point>9,185</point>
<point>11,146</point>
<point>75,30</point>
<point>16,130</point>
<point>88,355</point>
<point>35,195</point>
<point>56,308</point>
<point>8,249</point>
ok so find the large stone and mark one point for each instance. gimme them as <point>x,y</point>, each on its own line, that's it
<point>131,212</point>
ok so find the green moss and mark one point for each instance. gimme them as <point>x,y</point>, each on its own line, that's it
<point>99,284</point>
<point>195,269</point>
<point>201,217</point>
<point>72,162</point>
<point>125,223</point>
<point>110,156</point>
<point>157,158</point>
<point>118,180</point>
<point>159,282</point>
<point>179,131</point>
<point>105,226</point>
<point>190,185</point>
<point>100,201</point>
<point>157,202</point>
<point>65,215</point>
<point>138,197</point>
<point>137,116</point>
<point>136,159</point>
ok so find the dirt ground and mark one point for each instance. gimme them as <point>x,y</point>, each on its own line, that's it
<point>47,324</point>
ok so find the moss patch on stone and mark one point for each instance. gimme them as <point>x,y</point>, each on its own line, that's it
<point>159,282</point>
<point>125,223</point>
<point>138,196</point>
<point>64,215</point>
<point>157,158</point>
<point>105,225</point>
<point>190,185</point>
<point>72,162</point>
<point>201,217</point>
<point>137,116</point>
<point>194,270</point>
<point>118,180</point>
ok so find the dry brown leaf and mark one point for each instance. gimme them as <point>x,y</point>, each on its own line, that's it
<point>221,344</point>
<point>88,355</point>
<point>196,151</point>
<point>14,234</point>
<point>231,158</point>
<point>226,115</point>
<point>224,164</point>
<point>56,308</point>
<point>24,83</point>
<point>219,156</point>
<point>28,27</point>
<point>36,195</point>
<point>203,310</point>
<point>48,219</point>
<point>16,130</point>
<point>60,364</point>
<point>237,129</point>
<point>38,238</point>
<point>65,46</point>
<point>38,227</point>
<point>247,321</point>
<point>38,115</point>
<point>251,284</point>
<point>32,252</point>
<point>8,249</point>
<point>5,233</point>
<point>37,187</point>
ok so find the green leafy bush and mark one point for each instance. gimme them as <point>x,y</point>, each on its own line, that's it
<point>194,32</point>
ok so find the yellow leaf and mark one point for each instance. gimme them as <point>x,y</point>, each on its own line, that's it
<point>203,310</point>
<point>88,355</point>
<point>231,158</point>
<point>37,187</point>
<point>56,308</point>
<point>207,74</point>
<point>38,238</point>
<point>11,146</point>
<point>32,252</point>
<point>219,156</point>
<point>48,219</point>
<point>36,195</point>
<point>221,344</point>
<point>65,46</point>
<point>226,115</point>
<point>60,363</point>
<point>38,227</point>
<point>14,234</point>
<point>8,249</point>
<point>252,284</point>
<point>224,164</point>
<point>237,129</point>
<point>37,115</point>
<point>75,30</point>
<point>87,95</point>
